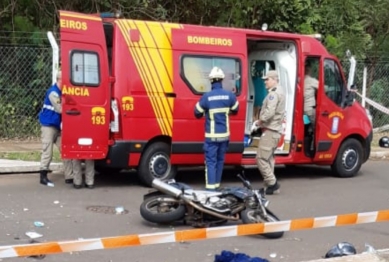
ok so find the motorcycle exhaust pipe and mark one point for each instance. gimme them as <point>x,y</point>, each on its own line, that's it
<point>166,188</point>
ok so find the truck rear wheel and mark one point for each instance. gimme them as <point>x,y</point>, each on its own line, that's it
<point>349,159</point>
<point>155,163</point>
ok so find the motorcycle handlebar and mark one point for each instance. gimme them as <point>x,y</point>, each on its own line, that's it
<point>246,183</point>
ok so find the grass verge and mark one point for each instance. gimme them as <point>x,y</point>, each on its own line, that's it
<point>29,156</point>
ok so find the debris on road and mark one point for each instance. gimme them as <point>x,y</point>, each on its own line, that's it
<point>39,224</point>
<point>228,256</point>
<point>119,210</point>
<point>33,235</point>
<point>341,249</point>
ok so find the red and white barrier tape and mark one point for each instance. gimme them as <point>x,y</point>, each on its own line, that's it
<point>192,234</point>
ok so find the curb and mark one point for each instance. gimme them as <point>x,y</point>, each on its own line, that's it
<point>19,166</point>
<point>379,155</point>
<point>378,256</point>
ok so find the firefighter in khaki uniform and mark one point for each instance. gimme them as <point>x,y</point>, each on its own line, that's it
<point>216,105</point>
<point>310,89</point>
<point>50,120</point>
<point>270,122</point>
<point>89,173</point>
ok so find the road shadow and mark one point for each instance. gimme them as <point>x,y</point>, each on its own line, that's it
<point>281,172</point>
<point>125,178</point>
<point>196,176</point>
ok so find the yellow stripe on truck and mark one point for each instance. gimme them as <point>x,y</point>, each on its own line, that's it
<point>125,26</point>
<point>152,59</point>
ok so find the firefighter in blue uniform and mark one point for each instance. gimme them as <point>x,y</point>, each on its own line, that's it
<point>216,105</point>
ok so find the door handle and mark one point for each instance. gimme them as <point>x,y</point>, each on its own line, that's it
<point>170,94</point>
<point>73,112</point>
<point>325,113</point>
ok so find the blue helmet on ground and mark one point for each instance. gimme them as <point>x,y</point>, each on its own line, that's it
<point>341,249</point>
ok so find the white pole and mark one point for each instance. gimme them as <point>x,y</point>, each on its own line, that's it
<point>364,86</point>
<point>55,62</point>
<point>353,64</point>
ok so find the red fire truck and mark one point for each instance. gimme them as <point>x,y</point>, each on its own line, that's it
<point>130,88</point>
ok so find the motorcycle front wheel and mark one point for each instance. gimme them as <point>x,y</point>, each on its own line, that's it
<point>162,209</point>
<point>251,216</point>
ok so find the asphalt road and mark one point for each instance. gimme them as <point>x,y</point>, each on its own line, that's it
<point>307,192</point>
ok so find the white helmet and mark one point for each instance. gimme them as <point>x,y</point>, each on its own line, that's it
<point>216,73</point>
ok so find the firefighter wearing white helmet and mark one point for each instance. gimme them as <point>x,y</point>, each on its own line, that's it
<point>216,105</point>
<point>216,74</point>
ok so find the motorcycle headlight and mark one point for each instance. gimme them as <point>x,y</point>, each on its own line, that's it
<point>251,203</point>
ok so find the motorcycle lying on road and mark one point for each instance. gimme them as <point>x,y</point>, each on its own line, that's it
<point>173,201</point>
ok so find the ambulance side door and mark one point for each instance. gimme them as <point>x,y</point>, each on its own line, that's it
<point>85,90</point>
<point>329,111</point>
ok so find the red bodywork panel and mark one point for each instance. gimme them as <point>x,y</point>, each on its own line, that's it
<point>154,101</point>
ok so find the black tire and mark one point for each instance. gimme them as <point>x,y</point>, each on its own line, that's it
<point>167,211</point>
<point>249,216</point>
<point>155,163</point>
<point>349,159</point>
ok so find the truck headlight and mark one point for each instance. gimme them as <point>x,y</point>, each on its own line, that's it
<point>369,116</point>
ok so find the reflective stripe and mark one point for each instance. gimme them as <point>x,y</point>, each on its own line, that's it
<point>214,186</point>
<point>235,106</point>
<point>212,132</point>
<point>49,107</point>
<point>199,108</point>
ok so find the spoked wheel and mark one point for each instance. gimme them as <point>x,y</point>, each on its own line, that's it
<point>251,216</point>
<point>162,209</point>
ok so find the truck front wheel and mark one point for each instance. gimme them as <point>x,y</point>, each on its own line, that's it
<point>349,159</point>
<point>155,163</point>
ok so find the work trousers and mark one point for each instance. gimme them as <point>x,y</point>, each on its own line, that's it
<point>214,163</point>
<point>50,136</point>
<point>89,172</point>
<point>311,113</point>
<point>265,156</point>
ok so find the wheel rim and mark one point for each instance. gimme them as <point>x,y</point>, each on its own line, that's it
<point>156,206</point>
<point>350,159</point>
<point>160,165</point>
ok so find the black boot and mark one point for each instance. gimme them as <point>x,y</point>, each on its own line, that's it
<point>44,180</point>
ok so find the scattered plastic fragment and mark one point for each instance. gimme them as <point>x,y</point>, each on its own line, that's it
<point>39,224</point>
<point>33,235</point>
<point>369,249</point>
<point>119,210</point>
<point>273,255</point>
<point>56,202</point>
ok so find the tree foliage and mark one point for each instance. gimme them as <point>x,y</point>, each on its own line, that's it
<point>357,25</point>
<point>348,24</point>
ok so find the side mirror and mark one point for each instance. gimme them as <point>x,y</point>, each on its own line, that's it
<point>349,96</point>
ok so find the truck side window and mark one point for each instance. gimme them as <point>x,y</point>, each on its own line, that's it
<point>85,68</point>
<point>195,70</point>
<point>333,82</point>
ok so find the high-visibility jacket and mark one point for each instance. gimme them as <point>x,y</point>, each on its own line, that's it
<point>216,105</point>
<point>48,116</point>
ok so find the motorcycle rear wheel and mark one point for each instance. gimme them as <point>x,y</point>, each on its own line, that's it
<point>162,209</point>
<point>251,216</point>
